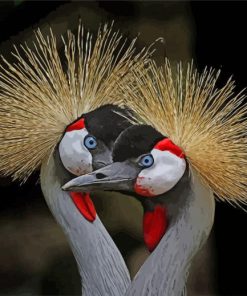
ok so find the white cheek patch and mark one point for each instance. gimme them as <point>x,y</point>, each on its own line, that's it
<point>74,155</point>
<point>162,176</point>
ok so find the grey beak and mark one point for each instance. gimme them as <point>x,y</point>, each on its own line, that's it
<point>114,177</point>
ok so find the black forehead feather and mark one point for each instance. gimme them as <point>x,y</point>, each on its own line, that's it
<point>105,124</point>
<point>135,141</point>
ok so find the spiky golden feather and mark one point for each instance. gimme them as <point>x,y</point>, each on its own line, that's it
<point>38,98</point>
<point>207,122</point>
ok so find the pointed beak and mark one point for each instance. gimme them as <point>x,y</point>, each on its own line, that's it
<point>114,177</point>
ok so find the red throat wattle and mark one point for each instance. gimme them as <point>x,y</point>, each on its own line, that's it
<point>84,204</point>
<point>154,226</point>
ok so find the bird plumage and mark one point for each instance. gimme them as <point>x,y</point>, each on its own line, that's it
<point>100,274</point>
<point>207,122</point>
<point>190,206</point>
<point>44,91</point>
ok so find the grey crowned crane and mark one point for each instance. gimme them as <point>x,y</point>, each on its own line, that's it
<point>49,120</point>
<point>86,145</point>
<point>195,147</point>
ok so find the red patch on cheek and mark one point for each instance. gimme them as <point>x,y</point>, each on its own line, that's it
<point>79,124</point>
<point>140,189</point>
<point>155,224</point>
<point>84,204</point>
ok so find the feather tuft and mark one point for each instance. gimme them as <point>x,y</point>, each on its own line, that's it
<point>44,91</point>
<point>207,122</point>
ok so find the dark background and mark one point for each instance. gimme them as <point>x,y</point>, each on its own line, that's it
<point>216,37</point>
<point>220,42</point>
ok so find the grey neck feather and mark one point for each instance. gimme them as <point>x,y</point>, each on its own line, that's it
<point>101,266</point>
<point>190,209</point>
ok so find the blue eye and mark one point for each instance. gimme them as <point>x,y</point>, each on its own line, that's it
<point>90,142</point>
<point>146,161</point>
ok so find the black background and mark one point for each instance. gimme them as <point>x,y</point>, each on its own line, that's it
<point>221,43</point>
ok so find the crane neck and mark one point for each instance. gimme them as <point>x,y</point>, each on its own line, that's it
<point>190,207</point>
<point>100,264</point>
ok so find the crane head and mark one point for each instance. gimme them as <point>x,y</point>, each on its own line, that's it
<point>87,145</point>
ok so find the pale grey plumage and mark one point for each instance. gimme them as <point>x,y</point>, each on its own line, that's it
<point>191,210</point>
<point>101,266</point>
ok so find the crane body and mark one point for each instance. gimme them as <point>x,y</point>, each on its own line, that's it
<point>190,207</point>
